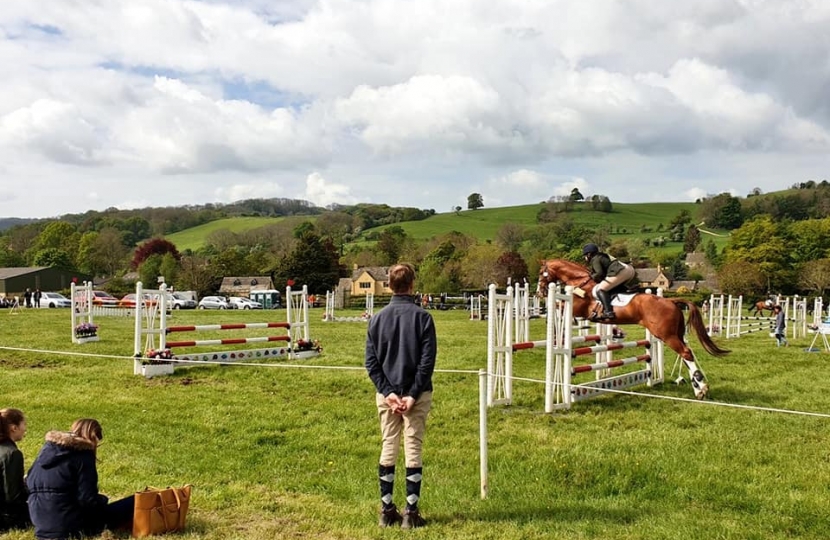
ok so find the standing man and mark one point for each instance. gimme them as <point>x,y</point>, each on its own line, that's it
<point>780,326</point>
<point>36,297</point>
<point>400,358</point>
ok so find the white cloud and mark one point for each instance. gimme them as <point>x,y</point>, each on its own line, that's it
<point>257,190</point>
<point>323,193</point>
<point>694,194</point>
<point>411,102</point>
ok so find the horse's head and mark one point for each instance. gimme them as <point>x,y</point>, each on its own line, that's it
<point>546,277</point>
<point>564,272</point>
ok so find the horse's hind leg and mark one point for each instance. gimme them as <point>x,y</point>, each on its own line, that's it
<point>699,384</point>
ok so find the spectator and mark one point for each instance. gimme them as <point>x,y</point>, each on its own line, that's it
<point>400,359</point>
<point>63,484</point>
<point>36,298</point>
<point>14,514</point>
<point>780,327</point>
<point>27,296</point>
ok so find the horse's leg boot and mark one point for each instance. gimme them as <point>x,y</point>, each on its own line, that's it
<point>605,298</point>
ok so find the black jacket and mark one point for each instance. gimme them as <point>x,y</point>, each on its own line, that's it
<point>401,348</point>
<point>603,266</point>
<point>63,489</point>
<point>13,510</point>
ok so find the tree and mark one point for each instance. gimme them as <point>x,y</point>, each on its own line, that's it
<point>692,240</point>
<point>475,201</point>
<point>815,276</point>
<point>155,246</point>
<point>195,276</point>
<point>478,266</point>
<point>390,244</point>
<point>53,257</point>
<point>511,265</point>
<point>741,278</point>
<point>314,262</point>
<point>576,195</point>
<point>677,227</point>
<point>169,268</point>
<point>510,236</point>
<point>150,270</point>
<point>711,251</point>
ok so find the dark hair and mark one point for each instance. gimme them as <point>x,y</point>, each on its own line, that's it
<point>401,278</point>
<point>8,418</point>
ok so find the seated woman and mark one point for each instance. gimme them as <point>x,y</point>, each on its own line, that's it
<point>63,486</point>
<point>14,514</point>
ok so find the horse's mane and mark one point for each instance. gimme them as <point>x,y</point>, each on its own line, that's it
<point>569,272</point>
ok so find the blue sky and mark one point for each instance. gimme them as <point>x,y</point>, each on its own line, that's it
<point>172,102</point>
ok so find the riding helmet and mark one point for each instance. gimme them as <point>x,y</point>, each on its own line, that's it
<point>590,249</point>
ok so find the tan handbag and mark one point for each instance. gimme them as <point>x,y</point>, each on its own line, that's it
<point>159,511</point>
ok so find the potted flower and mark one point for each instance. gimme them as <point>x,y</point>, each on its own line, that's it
<point>85,332</point>
<point>310,347</point>
<point>154,363</point>
<point>617,333</point>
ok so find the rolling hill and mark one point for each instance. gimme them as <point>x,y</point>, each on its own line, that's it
<point>484,223</point>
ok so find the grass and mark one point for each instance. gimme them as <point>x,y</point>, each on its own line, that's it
<point>484,223</point>
<point>288,453</point>
<point>196,237</point>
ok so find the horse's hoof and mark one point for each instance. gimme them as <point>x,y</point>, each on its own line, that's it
<point>680,380</point>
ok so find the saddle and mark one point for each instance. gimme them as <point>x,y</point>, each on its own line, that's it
<point>620,297</point>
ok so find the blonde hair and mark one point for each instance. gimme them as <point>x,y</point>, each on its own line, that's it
<point>89,429</point>
<point>9,418</point>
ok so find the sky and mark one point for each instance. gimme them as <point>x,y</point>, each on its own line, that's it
<point>108,103</point>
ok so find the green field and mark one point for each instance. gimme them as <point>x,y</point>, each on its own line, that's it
<point>484,223</point>
<point>292,453</point>
<point>196,237</point>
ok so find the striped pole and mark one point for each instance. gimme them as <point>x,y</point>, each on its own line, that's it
<point>234,326</point>
<point>229,341</point>
<point>611,364</point>
<point>581,351</point>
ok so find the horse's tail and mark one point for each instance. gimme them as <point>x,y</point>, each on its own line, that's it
<point>696,323</point>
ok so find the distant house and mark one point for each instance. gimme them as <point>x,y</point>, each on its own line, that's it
<point>653,278</point>
<point>15,280</point>
<point>656,278</point>
<point>697,260</point>
<point>242,286</point>
<point>370,279</point>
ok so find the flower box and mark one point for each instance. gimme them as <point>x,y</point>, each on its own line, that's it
<point>85,339</point>
<point>154,370</point>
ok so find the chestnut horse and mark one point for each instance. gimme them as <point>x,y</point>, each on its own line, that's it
<point>661,316</point>
<point>760,306</point>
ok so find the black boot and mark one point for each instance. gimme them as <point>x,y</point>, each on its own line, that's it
<point>605,298</point>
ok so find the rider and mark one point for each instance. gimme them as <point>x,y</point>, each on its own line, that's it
<point>609,273</point>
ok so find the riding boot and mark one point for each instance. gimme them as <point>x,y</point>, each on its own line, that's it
<point>605,298</point>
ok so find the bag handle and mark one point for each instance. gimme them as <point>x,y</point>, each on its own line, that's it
<point>162,513</point>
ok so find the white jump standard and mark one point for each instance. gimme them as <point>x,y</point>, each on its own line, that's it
<point>151,332</point>
<point>84,329</point>
<point>559,343</point>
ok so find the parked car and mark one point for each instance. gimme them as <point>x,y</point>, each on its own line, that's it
<point>213,302</point>
<point>129,300</point>
<point>240,302</point>
<point>180,301</point>
<point>54,300</point>
<point>103,298</point>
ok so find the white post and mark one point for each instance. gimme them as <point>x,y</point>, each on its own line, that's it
<point>139,317</point>
<point>482,430</point>
<point>491,342</point>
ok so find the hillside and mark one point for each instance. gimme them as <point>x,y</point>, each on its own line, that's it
<point>484,223</point>
<point>196,237</point>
